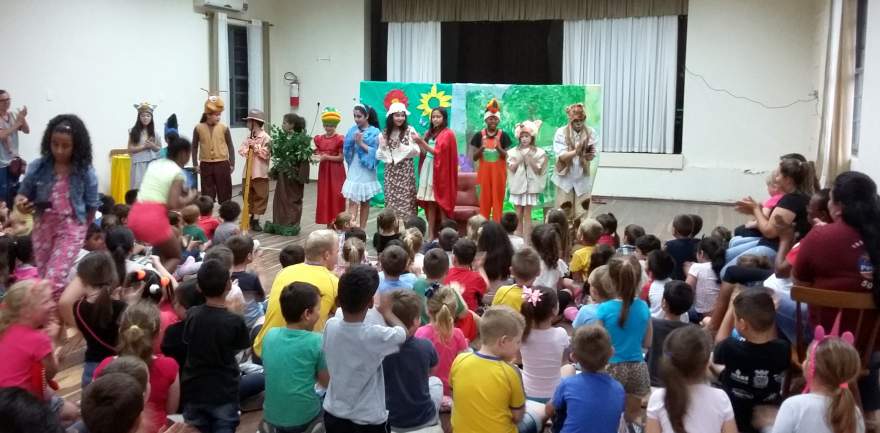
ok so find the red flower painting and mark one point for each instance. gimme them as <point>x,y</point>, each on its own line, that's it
<point>395,95</point>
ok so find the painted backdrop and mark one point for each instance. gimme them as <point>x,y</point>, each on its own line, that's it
<point>467,102</point>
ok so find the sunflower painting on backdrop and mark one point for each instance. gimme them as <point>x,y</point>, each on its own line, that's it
<point>466,104</point>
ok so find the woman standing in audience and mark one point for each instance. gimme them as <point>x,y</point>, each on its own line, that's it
<point>397,151</point>
<point>845,256</point>
<point>62,188</point>
<point>359,149</point>
<point>163,189</point>
<point>438,175</point>
<point>143,143</point>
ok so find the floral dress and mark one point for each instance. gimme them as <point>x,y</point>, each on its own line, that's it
<point>400,173</point>
<point>58,237</point>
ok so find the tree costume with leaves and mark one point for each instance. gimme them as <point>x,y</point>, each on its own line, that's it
<point>291,153</point>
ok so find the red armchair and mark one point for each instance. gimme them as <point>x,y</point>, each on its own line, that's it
<point>467,204</point>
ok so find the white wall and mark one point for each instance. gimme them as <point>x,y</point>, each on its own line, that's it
<point>97,58</point>
<point>868,160</point>
<point>769,51</point>
<point>324,46</point>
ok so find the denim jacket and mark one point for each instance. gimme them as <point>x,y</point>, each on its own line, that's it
<point>40,179</point>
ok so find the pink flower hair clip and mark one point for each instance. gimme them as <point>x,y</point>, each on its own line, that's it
<point>532,296</point>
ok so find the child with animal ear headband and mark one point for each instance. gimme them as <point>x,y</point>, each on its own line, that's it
<point>828,402</point>
<point>148,284</point>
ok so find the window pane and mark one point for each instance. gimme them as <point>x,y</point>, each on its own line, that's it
<point>238,74</point>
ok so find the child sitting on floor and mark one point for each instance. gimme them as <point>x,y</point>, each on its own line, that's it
<point>214,336</point>
<point>291,255</point>
<point>609,230</point>
<point>525,267</point>
<point>688,403</point>
<point>704,277</point>
<point>660,267</point>
<point>412,394</point>
<point>26,333</point>
<point>393,260</point>
<point>678,297</point>
<point>588,235</point>
<point>207,221</point>
<point>354,350</point>
<point>388,230</point>
<point>542,343</point>
<point>830,406</point>
<point>754,363</point>
<point>229,213</point>
<point>447,239</point>
<point>462,273</point>
<point>682,249</point>
<point>488,392</point>
<point>591,400</point>
<point>601,290</point>
<point>294,362</point>
<point>249,282</point>
<point>448,340</point>
<point>114,404</point>
<point>436,267</point>
<point>510,222</point>
<point>630,234</point>
<point>190,216</point>
<point>21,258</point>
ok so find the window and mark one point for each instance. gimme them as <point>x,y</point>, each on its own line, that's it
<point>859,78</point>
<point>502,52</point>
<point>238,75</point>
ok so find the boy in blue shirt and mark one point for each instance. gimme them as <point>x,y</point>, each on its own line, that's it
<point>591,401</point>
<point>394,261</point>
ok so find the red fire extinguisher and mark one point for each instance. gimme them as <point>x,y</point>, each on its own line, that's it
<point>293,82</point>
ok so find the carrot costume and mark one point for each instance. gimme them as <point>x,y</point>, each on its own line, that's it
<point>491,144</point>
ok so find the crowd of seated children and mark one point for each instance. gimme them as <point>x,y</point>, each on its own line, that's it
<point>420,339</point>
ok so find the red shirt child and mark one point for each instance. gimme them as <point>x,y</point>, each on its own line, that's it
<point>463,253</point>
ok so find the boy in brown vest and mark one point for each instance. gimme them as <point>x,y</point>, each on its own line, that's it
<point>212,144</point>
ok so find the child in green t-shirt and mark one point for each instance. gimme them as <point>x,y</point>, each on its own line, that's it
<point>293,362</point>
<point>435,266</point>
<point>190,216</point>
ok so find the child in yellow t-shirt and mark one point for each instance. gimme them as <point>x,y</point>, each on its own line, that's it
<point>525,267</point>
<point>487,389</point>
<point>588,234</point>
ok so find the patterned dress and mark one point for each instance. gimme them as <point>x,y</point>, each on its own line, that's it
<point>58,237</point>
<point>400,177</point>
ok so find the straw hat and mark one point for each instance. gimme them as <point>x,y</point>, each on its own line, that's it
<point>257,115</point>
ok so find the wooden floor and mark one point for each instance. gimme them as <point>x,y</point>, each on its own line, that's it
<point>654,215</point>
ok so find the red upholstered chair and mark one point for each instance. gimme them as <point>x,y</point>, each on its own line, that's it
<point>467,204</point>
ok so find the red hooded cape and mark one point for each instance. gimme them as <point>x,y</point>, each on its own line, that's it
<point>445,170</point>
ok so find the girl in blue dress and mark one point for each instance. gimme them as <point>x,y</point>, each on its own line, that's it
<point>359,150</point>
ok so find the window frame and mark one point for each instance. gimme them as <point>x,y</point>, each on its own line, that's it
<point>238,83</point>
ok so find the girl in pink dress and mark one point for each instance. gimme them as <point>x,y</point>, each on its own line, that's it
<point>331,171</point>
<point>62,188</point>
